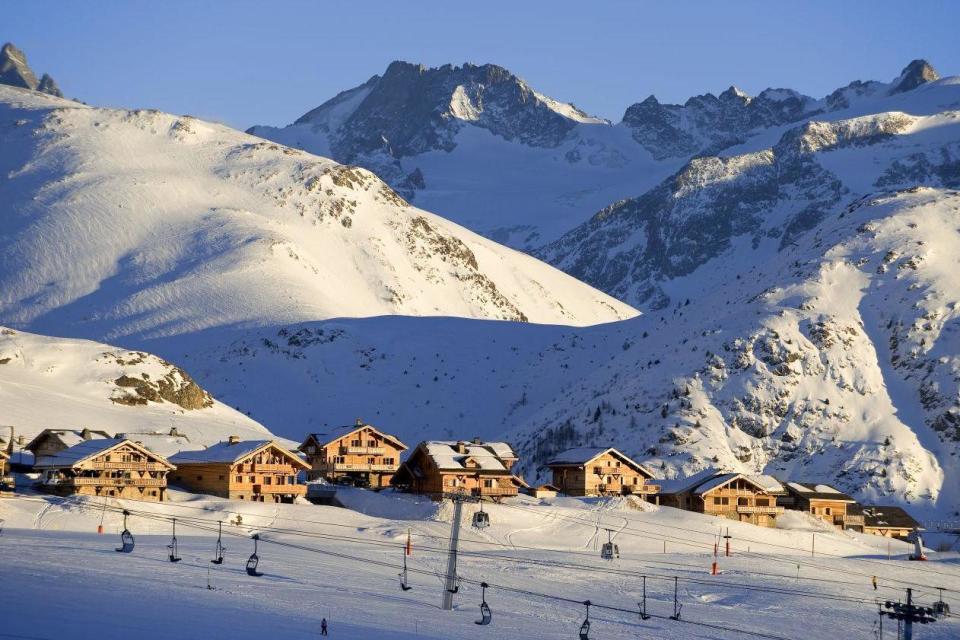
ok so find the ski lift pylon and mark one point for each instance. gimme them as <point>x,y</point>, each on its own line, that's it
<point>254,559</point>
<point>126,538</point>
<point>485,614</point>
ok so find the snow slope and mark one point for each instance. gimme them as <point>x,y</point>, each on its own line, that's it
<point>539,558</point>
<point>120,223</point>
<point>71,384</point>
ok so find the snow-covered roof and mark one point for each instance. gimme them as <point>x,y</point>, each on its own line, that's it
<point>686,483</point>
<point>86,449</point>
<point>229,453</point>
<point>889,517</point>
<point>489,456</point>
<point>324,439</point>
<point>710,479</point>
<point>583,455</point>
<point>818,492</point>
<point>769,483</point>
<point>69,437</point>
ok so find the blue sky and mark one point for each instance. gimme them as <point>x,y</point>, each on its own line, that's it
<point>244,62</point>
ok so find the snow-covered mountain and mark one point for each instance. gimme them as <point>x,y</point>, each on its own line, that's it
<point>15,71</point>
<point>72,384</point>
<point>134,223</point>
<point>478,145</point>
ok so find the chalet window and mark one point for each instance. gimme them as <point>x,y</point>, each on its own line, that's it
<point>107,458</point>
<point>763,502</point>
<point>618,463</point>
<point>252,479</point>
<point>827,510</point>
<point>356,443</point>
<point>371,443</point>
<point>371,460</point>
<point>267,480</point>
<point>281,480</point>
<point>813,510</point>
<point>221,477</point>
<point>636,480</point>
<point>311,449</point>
<point>722,501</point>
<point>239,479</point>
<point>199,477</point>
<point>716,500</point>
<point>388,461</point>
<point>598,470</point>
<point>489,483</point>
<point>743,502</point>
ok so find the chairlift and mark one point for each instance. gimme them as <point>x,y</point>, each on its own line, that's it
<point>481,519</point>
<point>585,627</point>
<point>126,538</point>
<point>609,550</point>
<point>254,559</point>
<point>220,549</point>
<point>174,555</point>
<point>940,608</point>
<point>403,574</point>
<point>456,587</point>
<point>485,614</point>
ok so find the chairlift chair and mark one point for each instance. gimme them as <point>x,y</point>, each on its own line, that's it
<point>126,538</point>
<point>403,574</point>
<point>609,550</point>
<point>485,614</point>
<point>174,548</point>
<point>585,627</point>
<point>481,519</point>
<point>219,552</point>
<point>254,559</point>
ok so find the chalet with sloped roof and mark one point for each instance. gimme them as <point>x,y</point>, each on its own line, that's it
<point>482,469</point>
<point>824,503</point>
<point>113,467</point>
<point>729,495</point>
<point>253,470</point>
<point>50,442</point>
<point>598,471</point>
<point>887,521</point>
<point>360,453</point>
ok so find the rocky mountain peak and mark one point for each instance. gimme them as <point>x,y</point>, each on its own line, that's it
<point>15,71</point>
<point>916,73</point>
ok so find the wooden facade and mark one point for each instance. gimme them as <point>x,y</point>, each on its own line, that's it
<point>258,471</point>
<point>728,495</point>
<point>890,522</point>
<point>481,469</point>
<point>824,503</point>
<point>588,471</point>
<point>363,455</point>
<point>116,468</point>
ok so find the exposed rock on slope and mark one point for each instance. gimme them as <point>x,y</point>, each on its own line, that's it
<point>15,72</point>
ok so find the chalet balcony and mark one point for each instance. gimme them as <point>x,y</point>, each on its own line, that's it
<point>748,508</point>
<point>297,489</point>
<point>110,482</point>
<point>848,521</point>
<point>363,451</point>
<point>495,491</point>
<point>129,466</point>
<point>642,488</point>
<point>257,467</point>
<point>344,466</point>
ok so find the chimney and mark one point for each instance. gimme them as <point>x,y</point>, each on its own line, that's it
<point>85,433</point>
<point>461,447</point>
<point>234,440</point>
<point>476,440</point>
<point>359,422</point>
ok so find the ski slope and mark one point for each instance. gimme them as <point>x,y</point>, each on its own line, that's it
<point>539,558</point>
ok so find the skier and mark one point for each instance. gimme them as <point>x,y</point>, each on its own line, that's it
<point>874,583</point>
<point>323,627</point>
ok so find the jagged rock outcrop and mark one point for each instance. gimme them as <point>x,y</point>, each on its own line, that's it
<point>15,72</point>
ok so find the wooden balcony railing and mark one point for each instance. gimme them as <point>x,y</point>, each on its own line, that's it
<point>258,467</point>
<point>363,451</point>
<point>344,466</point>
<point>299,489</point>
<point>111,482</point>
<point>849,520</point>
<point>747,508</point>
<point>495,491</point>
<point>129,466</point>
<point>641,488</point>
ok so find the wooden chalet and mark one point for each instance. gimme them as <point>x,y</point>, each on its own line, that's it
<point>360,454</point>
<point>595,471</point>
<point>476,468</point>
<point>113,467</point>
<point>891,522</point>
<point>750,499</point>
<point>254,470</point>
<point>50,442</point>
<point>544,491</point>
<point>823,502</point>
